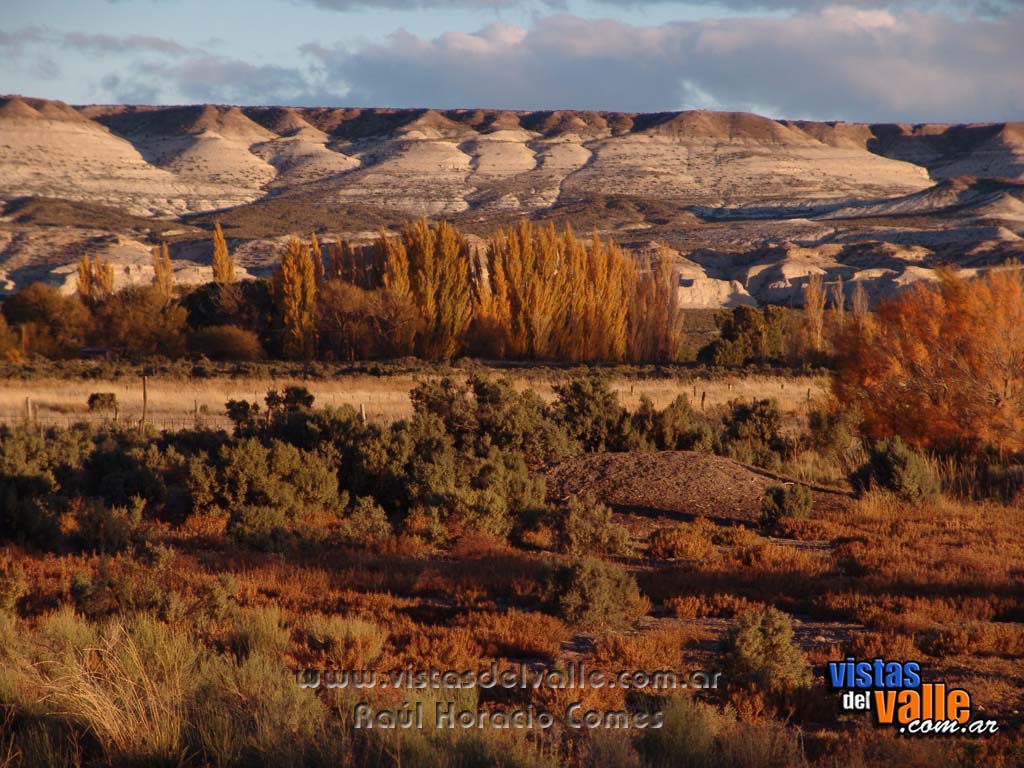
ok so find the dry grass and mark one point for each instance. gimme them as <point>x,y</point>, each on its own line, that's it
<point>175,403</point>
<point>129,691</point>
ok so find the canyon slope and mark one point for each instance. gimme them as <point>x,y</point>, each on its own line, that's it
<point>750,205</point>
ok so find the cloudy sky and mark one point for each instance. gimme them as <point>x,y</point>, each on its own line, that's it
<point>912,61</point>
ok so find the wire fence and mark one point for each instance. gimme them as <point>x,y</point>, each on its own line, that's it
<point>161,422</point>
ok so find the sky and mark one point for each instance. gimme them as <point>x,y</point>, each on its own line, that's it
<point>874,61</point>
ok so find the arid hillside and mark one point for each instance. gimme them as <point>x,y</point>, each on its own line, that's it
<point>752,205</point>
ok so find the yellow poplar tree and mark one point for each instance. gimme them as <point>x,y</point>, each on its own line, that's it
<point>573,337</point>
<point>431,265</point>
<point>163,271</point>
<point>439,268</point>
<point>223,264</point>
<point>838,304</point>
<point>295,293</point>
<point>655,317</point>
<point>391,255</point>
<point>85,289</point>
<point>814,312</point>
<point>95,279</point>
<point>318,258</point>
<point>551,295</point>
<point>859,305</point>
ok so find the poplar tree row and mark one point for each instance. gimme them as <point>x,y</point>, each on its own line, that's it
<point>531,292</point>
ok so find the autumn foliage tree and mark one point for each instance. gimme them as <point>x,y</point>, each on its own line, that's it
<point>430,264</point>
<point>95,279</point>
<point>656,318</point>
<point>295,290</point>
<point>942,365</point>
<point>223,265</point>
<point>319,272</point>
<point>551,295</point>
<point>814,313</point>
<point>355,323</point>
<point>141,322</point>
<point>163,271</point>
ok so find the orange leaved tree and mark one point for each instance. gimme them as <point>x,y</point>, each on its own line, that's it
<point>942,365</point>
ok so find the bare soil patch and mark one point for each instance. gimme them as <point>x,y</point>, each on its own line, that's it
<point>680,484</point>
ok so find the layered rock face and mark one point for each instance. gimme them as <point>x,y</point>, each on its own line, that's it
<point>751,204</point>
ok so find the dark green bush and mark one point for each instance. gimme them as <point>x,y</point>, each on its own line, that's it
<point>294,398</point>
<point>753,434</point>
<point>834,431</point>
<point>26,515</point>
<point>250,474</point>
<point>263,527</point>
<point>751,335</point>
<point>483,413</point>
<point>789,502</point>
<point>673,429</point>
<point>366,522</point>
<point>517,421</point>
<point>218,595</point>
<point>677,428</point>
<point>118,473</point>
<point>103,402</point>
<point>593,594</point>
<point>762,652</point>
<point>894,467</point>
<point>243,415</point>
<point>587,528</point>
<point>590,412</point>
<point>107,530</point>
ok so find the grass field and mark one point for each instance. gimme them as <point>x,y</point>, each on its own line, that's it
<point>175,402</point>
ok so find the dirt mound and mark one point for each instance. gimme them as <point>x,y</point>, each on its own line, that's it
<point>673,483</point>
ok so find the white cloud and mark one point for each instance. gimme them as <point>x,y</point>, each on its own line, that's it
<point>839,63</point>
<point>863,62</point>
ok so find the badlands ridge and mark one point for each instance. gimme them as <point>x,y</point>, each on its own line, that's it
<point>750,205</point>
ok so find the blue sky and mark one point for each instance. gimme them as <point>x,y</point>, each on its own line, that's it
<point>879,61</point>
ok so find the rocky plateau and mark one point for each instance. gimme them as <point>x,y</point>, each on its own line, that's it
<point>750,206</point>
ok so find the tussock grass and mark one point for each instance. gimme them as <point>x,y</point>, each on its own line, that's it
<point>129,691</point>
